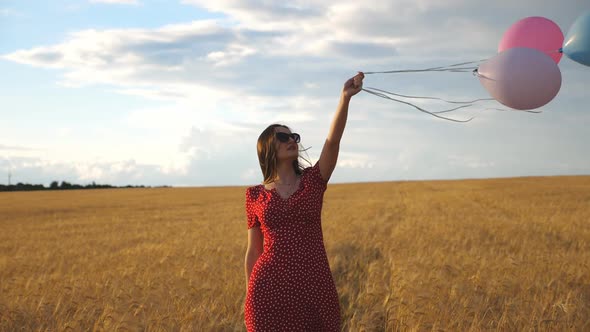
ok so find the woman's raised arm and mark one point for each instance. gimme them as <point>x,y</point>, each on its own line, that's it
<point>329,155</point>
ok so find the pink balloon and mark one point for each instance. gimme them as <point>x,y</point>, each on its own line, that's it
<point>521,78</point>
<point>534,32</point>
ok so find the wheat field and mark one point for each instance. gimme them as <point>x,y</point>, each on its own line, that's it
<point>469,255</point>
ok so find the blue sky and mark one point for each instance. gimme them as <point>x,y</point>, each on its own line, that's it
<point>177,92</point>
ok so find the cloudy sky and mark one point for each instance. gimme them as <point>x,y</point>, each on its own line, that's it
<point>154,92</point>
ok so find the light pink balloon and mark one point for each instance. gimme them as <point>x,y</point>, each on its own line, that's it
<point>534,32</point>
<point>521,78</point>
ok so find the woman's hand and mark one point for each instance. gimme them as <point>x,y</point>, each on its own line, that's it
<point>353,85</point>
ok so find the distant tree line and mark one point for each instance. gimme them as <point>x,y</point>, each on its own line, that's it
<point>58,186</point>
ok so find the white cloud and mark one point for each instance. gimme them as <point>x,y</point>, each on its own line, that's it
<point>9,12</point>
<point>5,148</point>
<point>200,157</point>
<point>232,55</point>
<point>222,81</point>
<point>117,2</point>
<point>469,161</point>
<point>250,175</point>
<point>64,131</point>
<point>355,160</point>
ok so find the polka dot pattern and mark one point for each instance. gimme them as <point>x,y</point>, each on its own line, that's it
<point>291,286</point>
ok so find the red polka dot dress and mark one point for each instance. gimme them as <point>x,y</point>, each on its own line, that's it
<point>291,287</point>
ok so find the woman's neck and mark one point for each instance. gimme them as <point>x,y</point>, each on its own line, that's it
<point>285,173</point>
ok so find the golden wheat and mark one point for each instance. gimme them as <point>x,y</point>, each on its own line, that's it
<point>471,255</point>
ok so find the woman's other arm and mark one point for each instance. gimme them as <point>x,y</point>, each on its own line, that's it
<point>255,247</point>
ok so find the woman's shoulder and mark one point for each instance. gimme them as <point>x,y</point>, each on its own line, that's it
<point>313,174</point>
<point>311,169</point>
<point>252,192</point>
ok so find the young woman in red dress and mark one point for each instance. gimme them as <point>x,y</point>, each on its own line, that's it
<point>289,282</point>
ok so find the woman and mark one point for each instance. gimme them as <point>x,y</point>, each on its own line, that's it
<point>289,283</point>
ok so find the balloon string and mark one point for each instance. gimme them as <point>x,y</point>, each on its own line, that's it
<point>437,112</point>
<point>458,70</point>
<point>445,111</point>
<point>433,98</point>
<point>512,110</point>
<point>450,68</point>
<point>378,94</point>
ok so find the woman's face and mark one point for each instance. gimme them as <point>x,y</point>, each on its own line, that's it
<point>289,150</point>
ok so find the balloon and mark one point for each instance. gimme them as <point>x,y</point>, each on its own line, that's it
<point>521,78</point>
<point>534,32</point>
<point>577,45</point>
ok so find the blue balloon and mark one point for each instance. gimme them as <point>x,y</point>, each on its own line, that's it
<point>577,41</point>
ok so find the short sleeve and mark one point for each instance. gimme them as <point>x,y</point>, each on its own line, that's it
<point>251,216</point>
<point>316,177</point>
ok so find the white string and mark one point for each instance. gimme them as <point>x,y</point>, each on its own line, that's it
<point>458,68</point>
<point>450,68</point>
<point>433,98</point>
<point>420,108</point>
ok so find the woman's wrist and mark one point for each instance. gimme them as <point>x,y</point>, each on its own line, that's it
<point>345,97</point>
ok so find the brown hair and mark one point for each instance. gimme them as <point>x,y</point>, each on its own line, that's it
<point>267,154</point>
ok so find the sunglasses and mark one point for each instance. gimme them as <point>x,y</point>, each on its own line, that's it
<point>284,137</point>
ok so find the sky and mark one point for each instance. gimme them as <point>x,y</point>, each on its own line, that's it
<point>153,92</point>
